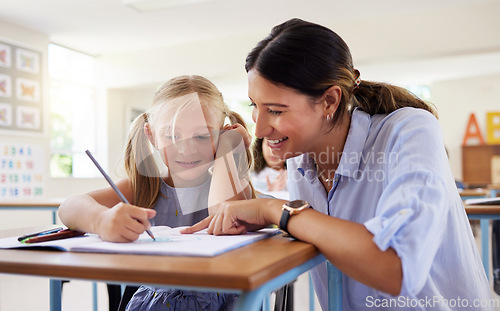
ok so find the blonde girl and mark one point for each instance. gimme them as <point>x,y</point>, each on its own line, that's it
<point>180,159</point>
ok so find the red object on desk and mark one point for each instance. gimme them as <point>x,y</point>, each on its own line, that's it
<point>63,234</point>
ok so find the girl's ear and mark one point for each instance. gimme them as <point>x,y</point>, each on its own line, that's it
<point>332,98</point>
<point>149,134</point>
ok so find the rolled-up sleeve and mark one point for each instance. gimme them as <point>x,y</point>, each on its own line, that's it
<point>411,224</point>
<point>412,210</point>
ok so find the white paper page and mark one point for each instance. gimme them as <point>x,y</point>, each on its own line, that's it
<point>483,201</point>
<point>170,242</point>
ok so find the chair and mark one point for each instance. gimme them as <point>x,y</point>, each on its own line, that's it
<point>114,296</point>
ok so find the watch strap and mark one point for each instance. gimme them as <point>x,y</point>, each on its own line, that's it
<point>285,217</point>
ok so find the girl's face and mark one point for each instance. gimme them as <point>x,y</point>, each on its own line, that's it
<point>187,144</point>
<point>284,117</point>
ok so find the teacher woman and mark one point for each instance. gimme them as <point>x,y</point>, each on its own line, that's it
<point>369,179</point>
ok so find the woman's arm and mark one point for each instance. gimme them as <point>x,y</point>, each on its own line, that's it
<point>103,213</point>
<point>348,245</point>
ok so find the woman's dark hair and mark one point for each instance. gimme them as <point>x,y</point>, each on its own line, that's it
<point>311,58</point>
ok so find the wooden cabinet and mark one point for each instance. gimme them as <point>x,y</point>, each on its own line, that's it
<point>476,164</point>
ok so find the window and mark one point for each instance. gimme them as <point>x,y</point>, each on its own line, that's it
<point>73,112</point>
<point>422,91</point>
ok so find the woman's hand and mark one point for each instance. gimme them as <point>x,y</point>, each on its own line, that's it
<point>238,217</point>
<point>123,222</point>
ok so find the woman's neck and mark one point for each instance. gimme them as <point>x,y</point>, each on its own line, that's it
<point>329,148</point>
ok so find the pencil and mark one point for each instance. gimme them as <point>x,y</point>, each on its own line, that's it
<point>112,184</point>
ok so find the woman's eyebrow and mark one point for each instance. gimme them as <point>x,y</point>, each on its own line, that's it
<point>271,104</point>
<point>275,105</point>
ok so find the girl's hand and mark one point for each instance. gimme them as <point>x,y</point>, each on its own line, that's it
<point>238,217</point>
<point>247,138</point>
<point>124,222</point>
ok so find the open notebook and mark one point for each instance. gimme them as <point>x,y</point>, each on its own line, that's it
<point>168,242</point>
<point>483,201</point>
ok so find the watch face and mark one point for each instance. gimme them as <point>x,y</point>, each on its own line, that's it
<point>296,203</point>
<point>295,207</point>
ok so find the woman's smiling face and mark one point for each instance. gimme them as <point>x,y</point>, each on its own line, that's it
<point>285,117</point>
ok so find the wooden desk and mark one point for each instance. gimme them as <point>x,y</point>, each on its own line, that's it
<point>494,190</point>
<point>484,213</point>
<point>252,271</point>
<point>474,194</point>
<point>51,205</point>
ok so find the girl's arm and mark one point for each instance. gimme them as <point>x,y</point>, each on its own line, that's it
<point>348,245</point>
<point>103,213</point>
<point>230,179</point>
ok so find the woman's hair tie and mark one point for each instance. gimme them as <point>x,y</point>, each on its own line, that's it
<point>357,79</point>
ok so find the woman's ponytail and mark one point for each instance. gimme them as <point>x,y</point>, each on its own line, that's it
<point>380,98</point>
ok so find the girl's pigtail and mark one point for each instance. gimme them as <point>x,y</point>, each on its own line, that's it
<point>235,118</point>
<point>259,163</point>
<point>140,165</point>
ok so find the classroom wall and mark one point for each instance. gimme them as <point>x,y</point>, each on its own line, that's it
<point>456,100</point>
<point>120,103</point>
<point>54,187</point>
<point>38,42</point>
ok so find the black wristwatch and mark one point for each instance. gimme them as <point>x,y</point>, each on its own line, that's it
<point>291,208</point>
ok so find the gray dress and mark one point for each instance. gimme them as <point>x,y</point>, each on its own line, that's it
<point>180,207</point>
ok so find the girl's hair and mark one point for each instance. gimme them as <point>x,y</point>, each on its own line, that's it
<point>311,58</point>
<point>259,163</point>
<point>140,165</point>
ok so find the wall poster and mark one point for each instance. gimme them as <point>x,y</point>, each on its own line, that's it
<point>21,171</point>
<point>20,89</point>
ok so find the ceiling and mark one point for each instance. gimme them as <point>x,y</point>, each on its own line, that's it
<point>392,40</point>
